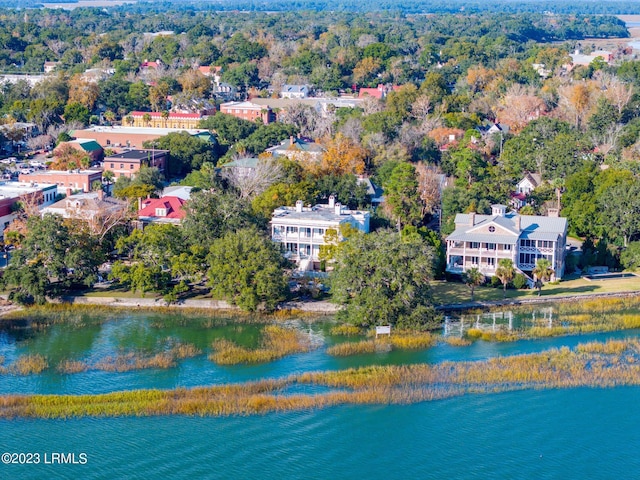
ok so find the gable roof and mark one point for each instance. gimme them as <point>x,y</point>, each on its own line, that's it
<point>531,227</point>
<point>534,179</point>
<point>173,206</point>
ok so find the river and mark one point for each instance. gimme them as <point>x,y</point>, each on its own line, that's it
<point>578,433</point>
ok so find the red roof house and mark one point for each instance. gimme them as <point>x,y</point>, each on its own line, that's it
<point>162,210</point>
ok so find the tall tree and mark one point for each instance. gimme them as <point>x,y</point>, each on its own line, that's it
<point>246,269</point>
<point>402,199</point>
<point>382,279</point>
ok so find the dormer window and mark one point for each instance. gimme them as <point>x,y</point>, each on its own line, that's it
<point>161,212</point>
<point>492,228</point>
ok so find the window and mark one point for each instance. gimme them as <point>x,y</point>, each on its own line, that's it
<point>492,228</point>
<point>474,260</point>
<point>475,245</point>
<point>291,247</point>
<point>490,246</point>
<point>161,212</point>
<point>131,166</point>
<point>527,243</point>
<point>545,244</point>
<point>491,262</point>
<point>507,246</point>
<point>305,232</point>
<point>292,230</point>
<point>112,165</point>
<point>318,232</point>
<point>527,258</point>
<point>122,165</point>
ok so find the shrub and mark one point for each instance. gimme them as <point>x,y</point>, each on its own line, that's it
<point>495,282</point>
<point>520,281</point>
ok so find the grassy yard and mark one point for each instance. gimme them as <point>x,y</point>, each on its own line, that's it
<point>456,292</point>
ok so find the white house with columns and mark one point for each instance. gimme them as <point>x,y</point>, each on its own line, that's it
<point>301,230</point>
<point>482,240</point>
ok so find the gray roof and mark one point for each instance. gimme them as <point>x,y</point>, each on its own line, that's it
<point>319,213</point>
<point>532,227</point>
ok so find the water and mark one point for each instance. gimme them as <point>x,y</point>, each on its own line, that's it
<point>578,433</point>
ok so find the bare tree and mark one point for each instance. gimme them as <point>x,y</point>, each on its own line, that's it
<point>251,182</point>
<point>607,140</point>
<point>428,187</point>
<point>618,93</point>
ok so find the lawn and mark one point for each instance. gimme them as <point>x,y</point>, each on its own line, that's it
<point>456,292</point>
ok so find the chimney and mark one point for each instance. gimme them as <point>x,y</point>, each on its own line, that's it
<point>100,193</point>
<point>338,208</point>
<point>472,218</point>
<point>139,203</point>
<point>516,219</point>
<point>299,206</point>
<point>291,139</point>
<point>332,201</point>
<point>553,212</point>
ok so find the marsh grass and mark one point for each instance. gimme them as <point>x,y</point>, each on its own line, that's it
<point>276,342</point>
<point>346,330</point>
<point>457,341</point>
<point>27,365</point>
<point>609,364</point>
<point>129,361</point>
<point>384,344</point>
<point>352,348</point>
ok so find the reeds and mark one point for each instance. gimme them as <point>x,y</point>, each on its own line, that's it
<point>400,341</point>
<point>26,365</point>
<point>126,362</point>
<point>609,364</point>
<point>276,342</point>
<point>354,348</point>
<point>346,330</point>
<point>457,341</point>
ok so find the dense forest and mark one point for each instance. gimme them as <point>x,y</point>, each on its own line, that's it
<point>468,6</point>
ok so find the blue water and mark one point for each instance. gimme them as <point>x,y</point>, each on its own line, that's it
<point>566,434</point>
<point>535,434</point>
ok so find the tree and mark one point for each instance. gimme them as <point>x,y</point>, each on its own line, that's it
<point>51,259</point>
<point>342,155</point>
<point>542,273</point>
<point>210,214</point>
<point>382,279</point>
<point>83,91</point>
<point>246,269</point>
<point>620,207</point>
<point>473,278</point>
<point>186,152</point>
<point>505,273</point>
<point>630,256</point>
<point>76,112</point>
<point>402,200</point>
<point>249,185</point>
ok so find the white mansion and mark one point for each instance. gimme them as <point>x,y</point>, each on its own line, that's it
<point>482,240</point>
<point>301,230</point>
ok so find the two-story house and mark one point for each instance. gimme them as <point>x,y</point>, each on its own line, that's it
<point>482,240</point>
<point>301,230</point>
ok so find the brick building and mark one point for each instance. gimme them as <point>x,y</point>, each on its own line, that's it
<point>67,181</point>
<point>130,137</point>
<point>156,120</point>
<point>128,163</point>
<point>249,111</point>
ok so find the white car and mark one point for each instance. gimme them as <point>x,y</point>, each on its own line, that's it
<point>8,161</point>
<point>26,171</point>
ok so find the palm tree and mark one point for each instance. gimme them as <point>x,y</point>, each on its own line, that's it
<point>129,120</point>
<point>165,117</point>
<point>472,278</point>
<point>109,116</point>
<point>542,273</point>
<point>558,184</point>
<point>505,273</point>
<point>146,118</point>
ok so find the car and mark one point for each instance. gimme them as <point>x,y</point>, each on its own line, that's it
<point>26,171</point>
<point>8,161</point>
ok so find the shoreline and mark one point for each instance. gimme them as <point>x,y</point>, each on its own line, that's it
<point>321,307</point>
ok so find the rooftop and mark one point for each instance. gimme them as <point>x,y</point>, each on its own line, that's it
<point>15,189</point>
<point>139,130</point>
<point>137,155</point>
<point>319,213</point>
